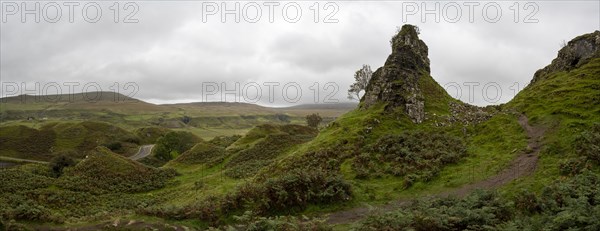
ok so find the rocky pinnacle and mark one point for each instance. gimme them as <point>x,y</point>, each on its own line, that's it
<point>397,82</point>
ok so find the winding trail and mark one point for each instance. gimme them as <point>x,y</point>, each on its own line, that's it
<point>145,150</point>
<point>525,164</point>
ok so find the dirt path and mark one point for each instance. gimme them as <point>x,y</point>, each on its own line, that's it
<point>523,165</point>
<point>18,160</point>
<point>144,151</point>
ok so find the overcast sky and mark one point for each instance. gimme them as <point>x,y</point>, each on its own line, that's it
<point>179,51</point>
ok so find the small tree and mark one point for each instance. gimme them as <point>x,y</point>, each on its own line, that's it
<point>361,80</point>
<point>58,163</point>
<point>186,119</point>
<point>178,141</point>
<point>313,120</point>
<point>563,43</point>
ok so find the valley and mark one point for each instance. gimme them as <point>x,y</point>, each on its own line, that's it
<point>408,156</point>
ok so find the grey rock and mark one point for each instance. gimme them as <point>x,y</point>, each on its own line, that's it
<point>397,82</point>
<point>576,53</point>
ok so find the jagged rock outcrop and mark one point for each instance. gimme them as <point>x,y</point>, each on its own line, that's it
<point>576,53</point>
<point>397,82</point>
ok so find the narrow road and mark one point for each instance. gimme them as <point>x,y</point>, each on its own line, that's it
<point>523,165</point>
<point>145,150</point>
<point>18,160</point>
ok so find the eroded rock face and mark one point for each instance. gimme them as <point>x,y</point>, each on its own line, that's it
<point>397,82</point>
<point>576,53</point>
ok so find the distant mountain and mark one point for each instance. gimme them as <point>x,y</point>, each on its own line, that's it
<point>335,106</point>
<point>222,108</point>
<point>89,97</point>
<point>94,101</point>
<point>331,110</point>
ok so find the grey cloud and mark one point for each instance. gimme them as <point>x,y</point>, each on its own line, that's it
<point>171,52</point>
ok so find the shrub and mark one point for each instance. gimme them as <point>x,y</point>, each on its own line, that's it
<point>206,210</point>
<point>150,135</point>
<point>572,204</point>
<point>203,153</point>
<point>248,162</point>
<point>114,146</point>
<point>412,155</point>
<point>177,141</point>
<point>32,212</point>
<point>224,141</point>
<point>131,139</point>
<point>573,166</point>
<point>478,211</point>
<point>14,180</point>
<point>249,221</point>
<point>527,202</point>
<point>58,163</point>
<point>588,143</point>
<point>291,193</point>
<point>313,120</point>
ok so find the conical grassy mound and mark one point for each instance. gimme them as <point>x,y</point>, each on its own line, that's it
<point>105,171</point>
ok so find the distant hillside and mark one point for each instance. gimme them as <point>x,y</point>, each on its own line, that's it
<point>221,108</point>
<point>76,106</point>
<point>89,97</point>
<point>325,110</point>
<point>91,101</point>
<point>67,138</point>
<point>121,103</point>
<point>334,106</point>
<point>205,119</point>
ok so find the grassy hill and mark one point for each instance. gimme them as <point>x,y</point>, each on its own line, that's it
<point>103,171</point>
<point>564,99</point>
<point>407,157</point>
<point>205,119</point>
<point>397,146</point>
<point>73,139</point>
<point>79,101</point>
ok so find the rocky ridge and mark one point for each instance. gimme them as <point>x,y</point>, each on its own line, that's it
<point>575,53</point>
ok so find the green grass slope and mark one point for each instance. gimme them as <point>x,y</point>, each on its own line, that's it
<point>73,139</point>
<point>104,171</point>
<point>563,104</point>
<point>381,151</point>
<point>567,104</point>
<point>371,155</point>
